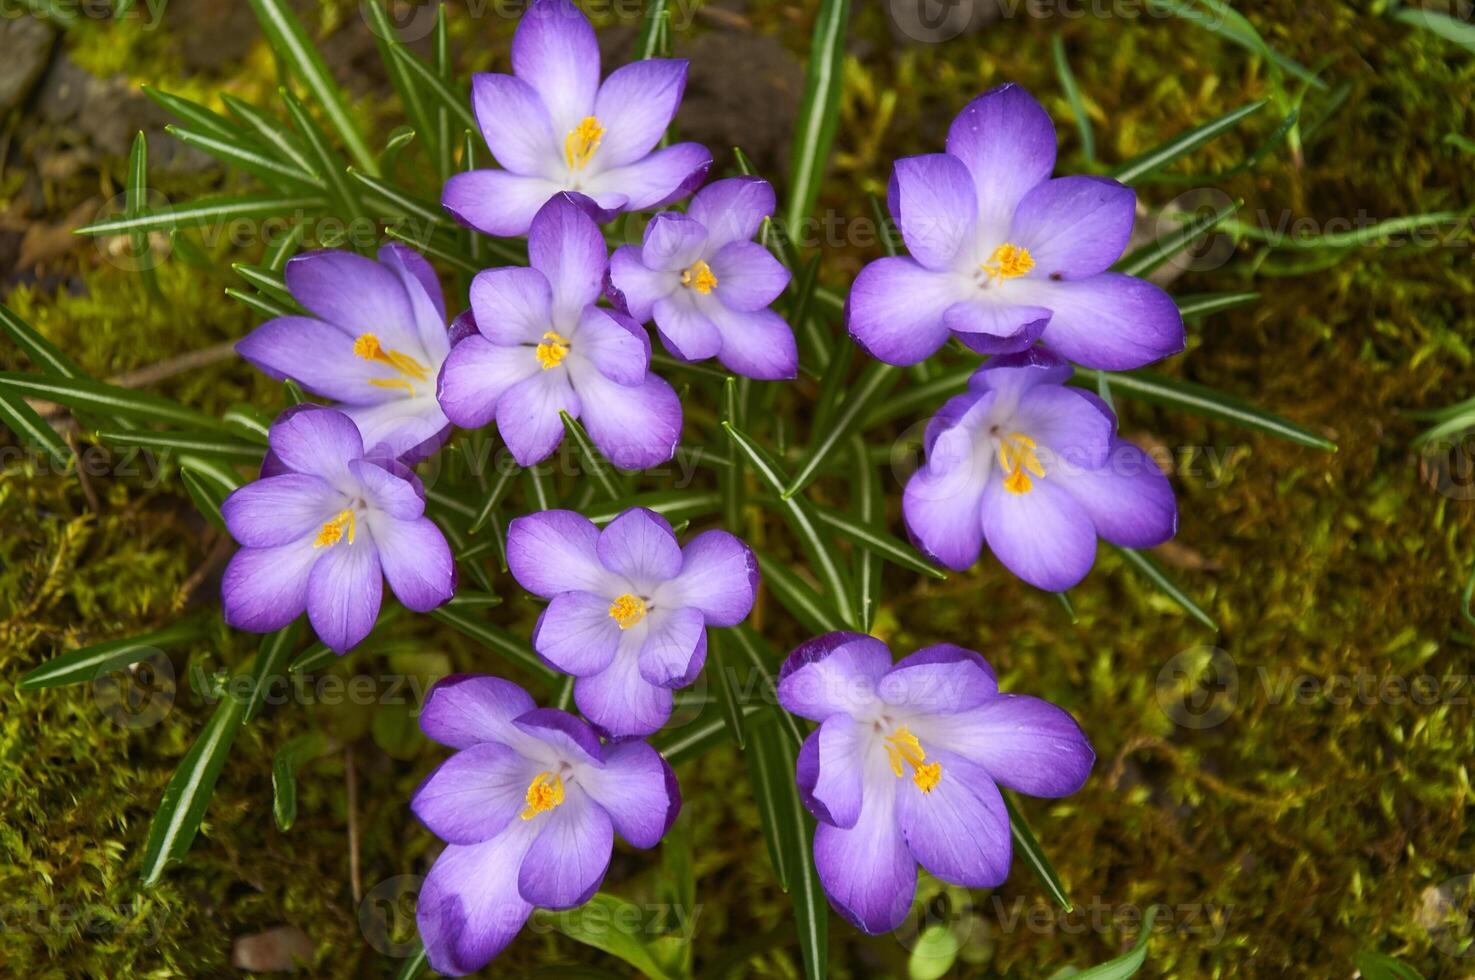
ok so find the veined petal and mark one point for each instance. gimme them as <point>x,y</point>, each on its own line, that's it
<point>570,855</point>
<point>319,441</point>
<point>718,577</point>
<point>386,491</point>
<point>407,262</point>
<point>497,202</point>
<point>1026,744</point>
<point>672,242</point>
<point>748,276</point>
<point>515,124</point>
<point>475,794</point>
<point>671,643</point>
<point>619,700</point>
<point>469,908</point>
<point>1012,376</point>
<point>732,210</point>
<point>834,673</point>
<point>1129,499</point>
<point>1108,321</point>
<point>571,738</point>
<point>553,551</point>
<point>637,789</point>
<point>513,305</point>
<point>554,50</point>
<point>565,245</point>
<point>475,376</point>
<point>635,105</point>
<point>344,591</point>
<point>942,501</point>
<point>940,679</point>
<point>932,201</point>
<point>991,327</point>
<point>618,347</point>
<point>1071,431</point>
<point>527,414</point>
<point>667,175</point>
<point>401,428</point>
<point>317,355</point>
<point>264,589</point>
<point>1075,226</point>
<point>685,328</point>
<point>1007,141</point>
<point>958,830</point>
<point>896,307</point>
<point>279,509</point>
<point>639,545</point>
<point>577,634</point>
<point>866,870</point>
<point>758,344</point>
<point>634,426</point>
<point>831,768</point>
<point>634,286</point>
<point>1041,535</point>
<point>356,294</point>
<point>416,560</point>
<point>466,709</point>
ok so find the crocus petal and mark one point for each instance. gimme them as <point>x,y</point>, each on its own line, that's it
<point>619,700</point>
<point>635,105</point>
<point>990,327</point>
<point>940,679</point>
<point>475,794</point>
<point>636,287</point>
<point>634,426</point>
<point>942,500</point>
<point>866,870</point>
<point>466,709</point>
<point>469,908</point>
<point>1007,141</point>
<point>1129,499</point>
<point>670,645</point>
<point>958,830</point>
<point>1071,431</point>
<point>279,509</point>
<point>512,305</point>
<point>408,262</point>
<point>496,202</point>
<point>1013,376</point>
<point>732,210</point>
<point>685,328</point>
<point>896,306</point>
<point>553,551</point>
<point>344,591</point>
<point>748,276</point>
<point>719,577</point>
<point>475,376</point>
<point>829,771</point>
<point>264,589</point>
<point>672,242</point>
<point>555,51</point>
<point>355,293</point>
<point>932,201</point>
<point>387,492</point>
<point>1074,227</point>
<point>637,789</point>
<point>616,345</point>
<point>515,124</point>
<point>1026,744</point>
<point>640,545</point>
<point>1042,535</point>
<point>568,859</point>
<point>758,344</point>
<point>319,441</point>
<point>570,737</point>
<point>577,634</point>
<point>411,429</point>
<point>666,175</point>
<point>527,414</point>
<point>836,672</point>
<point>416,560</point>
<point>317,355</point>
<point>1109,321</point>
<point>565,245</point>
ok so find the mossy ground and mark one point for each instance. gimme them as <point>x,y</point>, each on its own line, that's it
<point>1314,827</point>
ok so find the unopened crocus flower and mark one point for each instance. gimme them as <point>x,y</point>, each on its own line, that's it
<point>528,808</point>
<point>323,531</point>
<point>543,347</point>
<point>629,607</point>
<point>708,285</point>
<point>1003,256</point>
<point>1035,469</point>
<point>554,127</point>
<point>374,343</point>
<point>906,765</point>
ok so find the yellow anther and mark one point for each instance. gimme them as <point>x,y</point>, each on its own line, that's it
<point>1008,262</point>
<point>551,351</point>
<point>334,530</point>
<point>581,142</point>
<point>699,277</point>
<point>1018,458</point>
<point>367,347</point>
<point>544,793</point>
<point>902,747</point>
<point>627,610</point>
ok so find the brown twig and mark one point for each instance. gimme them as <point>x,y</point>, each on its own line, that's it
<point>353,825</point>
<point>152,374</point>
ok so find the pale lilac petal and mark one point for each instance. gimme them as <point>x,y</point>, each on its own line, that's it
<point>474,794</point>
<point>416,560</point>
<point>941,503</point>
<point>934,822</point>
<point>466,709</point>
<point>515,124</point>
<point>1026,744</point>
<point>637,789</point>
<point>469,908</point>
<point>411,429</point>
<point>666,175</point>
<point>866,870</point>
<point>829,771</point>
<point>1071,431</point>
<point>616,345</point>
<point>279,509</point>
<point>758,344</point>
<point>619,700</point>
<point>670,645</point>
<point>639,545</point>
<point>932,201</point>
<point>992,327</point>
<point>732,210</point>
<point>264,589</point>
<point>1007,141</point>
<point>576,633</point>
<point>939,679</point>
<point>496,202</point>
<point>387,492</point>
<point>408,262</point>
<point>568,859</point>
<point>1042,535</point>
<point>475,376</point>
<point>344,591</point>
<point>354,293</point>
<point>527,414</point>
<point>635,105</point>
<point>1074,227</point>
<point>685,328</point>
<point>635,287</point>
<point>553,551</point>
<point>672,242</point>
<point>565,245</point>
<point>554,51</point>
<point>748,276</point>
<point>896,306</point>
<point>319,441</point>
<point>317,355</point>
<point>834,673</point>
<point>719,577</point>
<point>512,305</point>
<point>1129,499</point>
<point>571,737</point>
<point>1109,321</point>
<point>634,427</point>
<point>1013,376</point>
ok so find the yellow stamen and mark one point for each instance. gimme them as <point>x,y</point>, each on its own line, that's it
<point>581,142</point>
<point>332,531</point>
<point>902,747</point>
<point>1008,262</point>
<point>367,347</point>
<point>552,351</point>
<point>699,277</point>
<point>627,610</point>
<point>1017,456</point>
<point>544,793</point>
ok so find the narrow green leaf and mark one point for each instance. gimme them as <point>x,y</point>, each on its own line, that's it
<point>1153,255</point>
<point>832,388</point>
<point>267,307</point>
<point>444,151</point>
<point>505,476</point>
<point>271,658</point>
<point>796,596</point>
<point>771,773</point>
<point>689,742</point>
<point>328,166</point>
<point>200,118</point>
<point>1069,607</point>
<point>1128,963</point>
<point>267,280</point>
<point>1376,966</point>
<point>721,670</point>
<point>188,793</point>
<point>1184,143</point>
<point>733,480</point>
<point>1067,80</point>
<point>1148,567</point>
<point>493,637</point>
<point>204,443</point>
<point>135,196</point>
<point>275,135</point>
<point>1027,847</point>
<point>106,400</point>
<point>819,112</point>
<point>673,505</point>
<point>753,650</point>
<point>434,247</point>
<point>213,211</point>
<point>31,428</point>
<point>40,351</point>
<point>91,662</point>
<point>876,541</point>
<point>599,468</point>
<point>396,199</point>
<point>1219,18</point>
<point>411,94</point>
<point>283,176</point>
<point>318,656</point>
<point>653,31</point>
<point>249,422</point>
<point>1202,304</point>
<point>868,511</point>
<point>416,963</point>
<point>284,765</point>
<point>1356,238</point>
<point>441,92</point>
<point>610,924</point>
<point>873,385</point>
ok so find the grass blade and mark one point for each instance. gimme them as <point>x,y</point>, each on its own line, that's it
<point>199,117</point>
<point>819,113</point>
<point>31,428</point>
<point>500,641</point>
<point>874,383</point>
<point>40,351</point>
<point>1184,143</point>
<point>876,541</point>
<point>1129,962</point>
<point>674,505</point>
<point>654,36</point>
<point>721,671</point>
<point>91,662</point>
<point>602,472</point>
<point>1155,254</point>
<point>285,177</point>
<point>271,658</point>
<point>795,595</point>
<point>106,400</point>
<point>206,211</point>
<point>328,165</point>
<point>1441,24</point>
<point>135,196</point>
<point>1202,304</point>
<point>440,91</point>
<point>867,511</point>
<point>284,765</point>
<point>272,134</point>
<point>1027,847</point>
<point>1072,91</point>
<point>1148,567</point>
<point>202,443</point>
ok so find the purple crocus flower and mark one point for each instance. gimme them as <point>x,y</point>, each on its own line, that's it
<point>1002,256</point>
<point>528,809</point>
<point>374,343</point>
<point>321,530</point>
<point>1034,468</point>
<point>708,285</point>
<point>554,127</point>
<point>630,607</point>
<point>544,347</point>
<point>906,765</point>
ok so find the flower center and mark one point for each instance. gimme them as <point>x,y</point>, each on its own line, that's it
<point>902,747</point>
<point>1007,262</point>
<point>1017,456</point>
<point>552,350</point>
<point>627,610</point>
<point>544,793</point>
<point>581,142</point>
<point>367,347</point>
<point>699,277</point>
<point>333,531</point>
